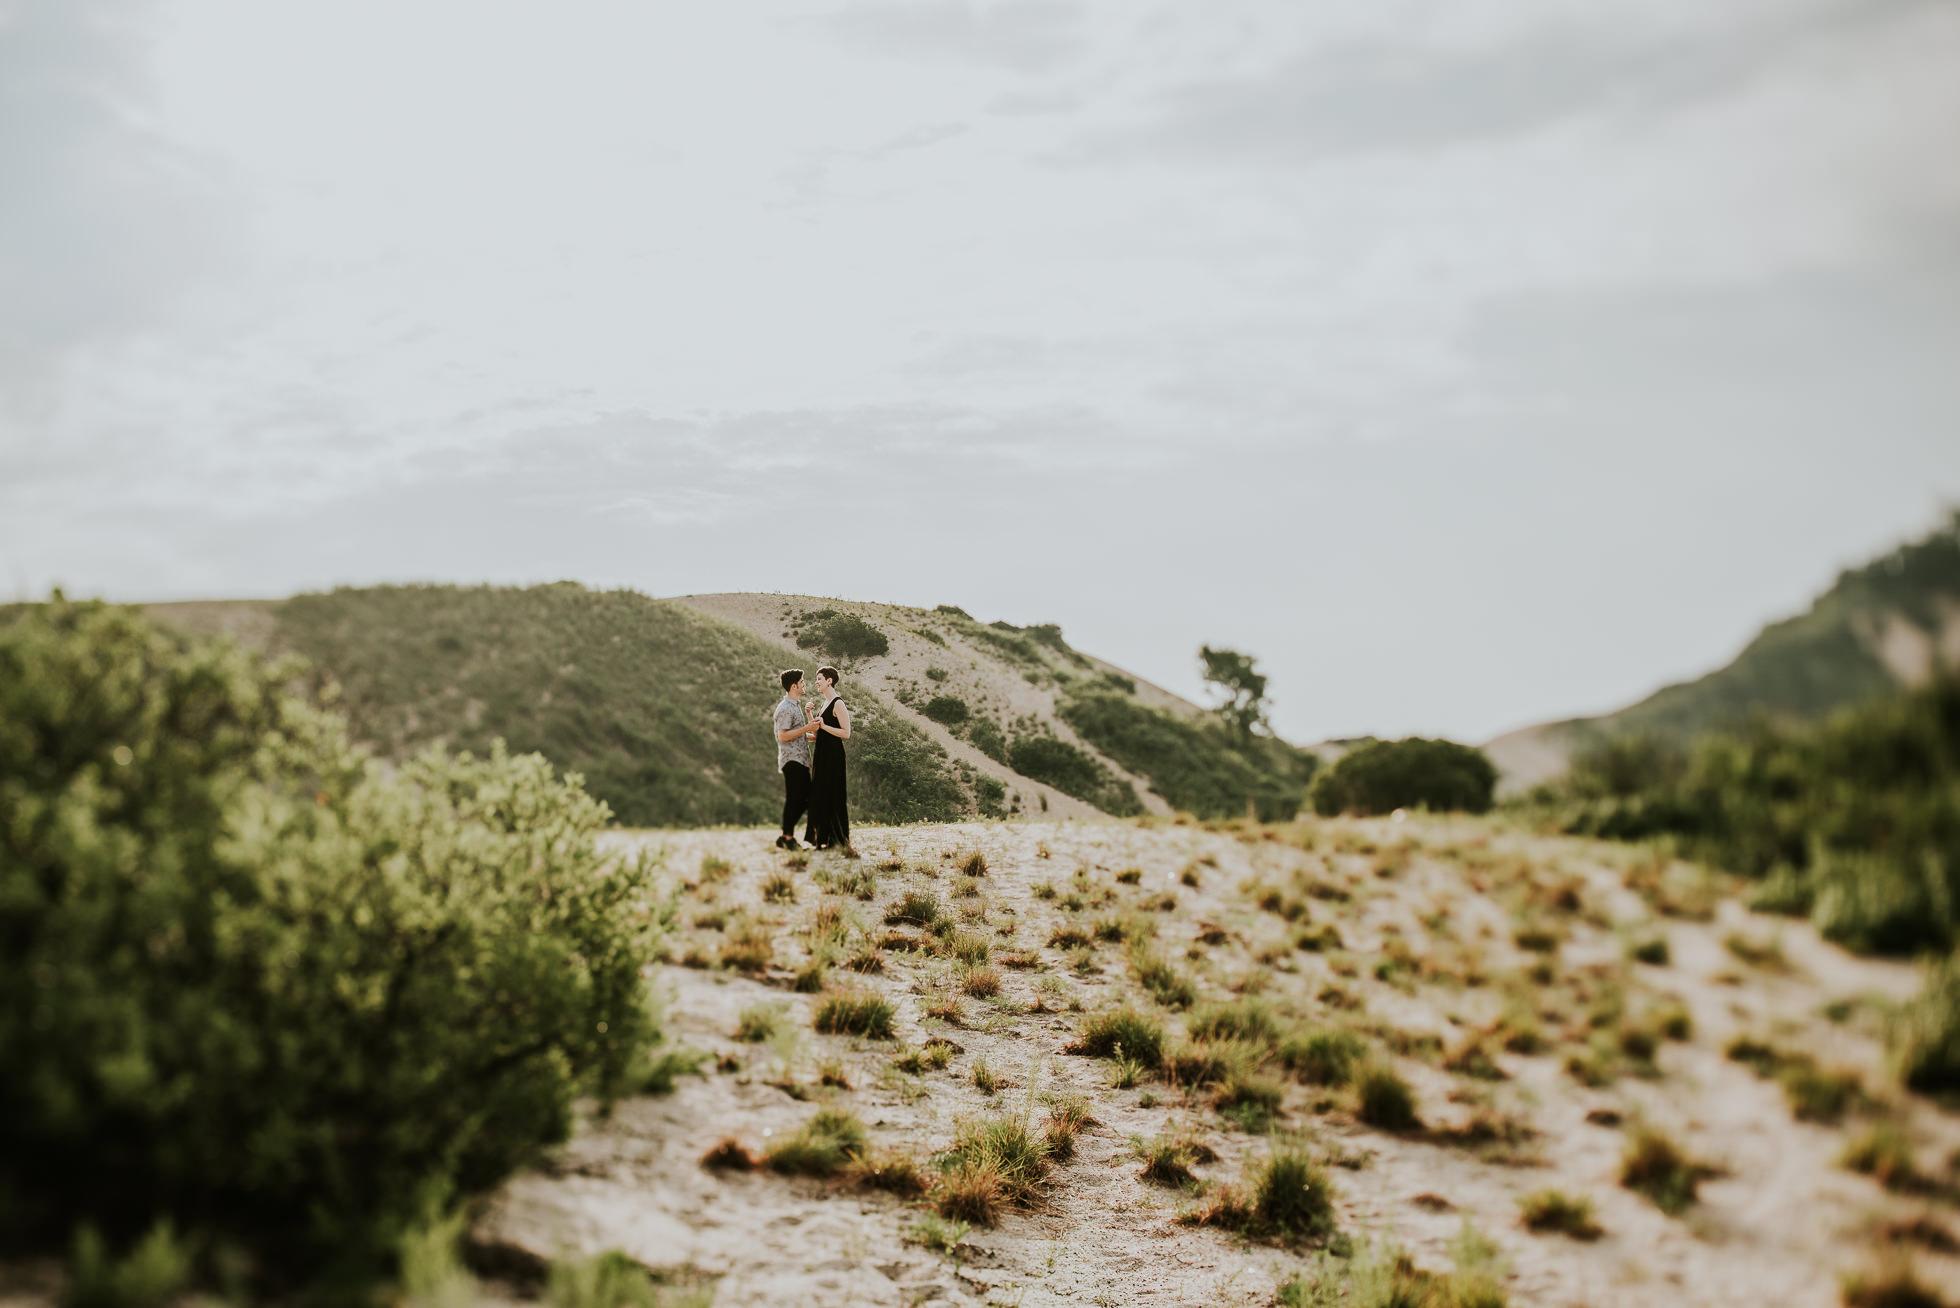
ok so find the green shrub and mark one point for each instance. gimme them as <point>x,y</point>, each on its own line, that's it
<point>1165,983</point>
<point>1383,1099</point>
<point>1135,1035</point>
<point>843,636</point>
<point>1069,770</point>
<point>947,710</point>
<point>236,955</point>
<point>606,1280</point>
<point>1925,1038</point>
<point>154,1273</point>
<point>1415,773</point>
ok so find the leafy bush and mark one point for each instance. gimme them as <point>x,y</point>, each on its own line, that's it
<point>1069,770</point>
<point>1925,1038</point>
<point>1853,821</point>
<point>1383,775</point>
<point>947,710</point>
<point>843,636</point>
<point>253,982</point>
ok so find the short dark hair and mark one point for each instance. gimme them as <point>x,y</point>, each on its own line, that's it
<point>827,671</point>
<point>791,677</point>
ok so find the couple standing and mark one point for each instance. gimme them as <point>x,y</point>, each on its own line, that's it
<point>816,784</point>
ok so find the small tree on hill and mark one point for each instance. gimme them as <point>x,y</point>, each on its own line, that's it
<point>1242,687</point>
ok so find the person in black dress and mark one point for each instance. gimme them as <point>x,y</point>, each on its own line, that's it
<point>830,819</point>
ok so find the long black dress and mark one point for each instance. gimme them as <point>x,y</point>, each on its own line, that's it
<point>830,821</point>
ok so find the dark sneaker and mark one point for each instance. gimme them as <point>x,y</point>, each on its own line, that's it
<point>787,842</point>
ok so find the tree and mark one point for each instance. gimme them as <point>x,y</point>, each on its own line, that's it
<point>1243,688</point>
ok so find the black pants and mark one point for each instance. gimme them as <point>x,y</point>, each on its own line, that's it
<point>796,795</point>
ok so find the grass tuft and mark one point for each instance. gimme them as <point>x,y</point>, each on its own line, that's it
<point>1655,1166</point>
<point>1554,1210</point>
<point>856,1012</point>
<point>1121,1032</point>
<point>822,1146</point>
<point>1383,1099</point>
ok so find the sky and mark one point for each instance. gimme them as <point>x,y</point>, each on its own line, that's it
<point>1470,363</point>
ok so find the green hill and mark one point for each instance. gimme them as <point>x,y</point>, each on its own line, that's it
<point>662,704</point>
<point>1880,628</point>
<point>664,710</point>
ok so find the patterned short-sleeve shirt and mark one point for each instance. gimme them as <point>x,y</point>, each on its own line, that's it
<point>790,714</point>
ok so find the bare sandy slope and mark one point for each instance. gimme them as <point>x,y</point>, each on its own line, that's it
<point>1778,1224</point>
<point>977,674</point>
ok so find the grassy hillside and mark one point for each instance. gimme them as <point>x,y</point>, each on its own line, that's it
<point>1026,710</point>
<point>1879,628</point>
<point>665,711</point>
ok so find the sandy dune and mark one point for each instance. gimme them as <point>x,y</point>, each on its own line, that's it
<point>1779,1224</point>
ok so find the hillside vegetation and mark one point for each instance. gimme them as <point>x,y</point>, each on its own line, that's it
<point>664,711</point>
<point>1880,628</point>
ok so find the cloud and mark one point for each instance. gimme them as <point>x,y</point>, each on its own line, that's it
<point>1359,96</point>
<point>105,226</point>
<point>1026,36</point>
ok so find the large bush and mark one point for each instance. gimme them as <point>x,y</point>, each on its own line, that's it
<point>1854,821</point>
<point>256,984</point>
<point>843,636</point>
<point>1384,775</point>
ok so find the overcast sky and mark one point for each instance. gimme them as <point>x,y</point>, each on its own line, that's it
<point>1470,362</point>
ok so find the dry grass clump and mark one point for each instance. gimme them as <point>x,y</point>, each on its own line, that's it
<point>748,946</point>
<point>1652,951</point>
<point>982,982</point>
<point>1475,1058</point>
<point>890,1171</point>
<point>1892,1285</point>
<point>1019,959</point>
<point>932,1056</point>
<point>985,1079</point>
<point>1318,938</point>
<point>1069,937</point>
<point>1325,1057</point>
<point>715,868</point>
<point>1248,1018</point>
<point>761,1022</point>
<point>1287,1197</point>
<point>1165,983</point>
<point>855,1012</point>
<point>821,1146</point>
<point>780,888</point>
<point>729,1155</point>
<point>918,908</point>
<point>1383,1100</point>
<point>969,947</point>
<point>993,1162</point>
<point>1655,1166</point>
<point>1764,954</point>
<point>1169,1157</point>
<point>972,864</point>
<point>1815,1094</point>
<point>1068,1113</point>
<point>1554,1210</point>
<point>1121,1032</point>
<point>947,1009</point>
<point>1884,1153</point>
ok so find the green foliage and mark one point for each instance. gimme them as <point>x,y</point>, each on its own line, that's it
<point>1198,767</point>
<point>1383,1099</point>
<point>606,1280</point>
<point>152,1274</point>
<point>1655,1166</point>
<point>1069,770</point>
<point>1383,775</point>
<point>1925,1038</point>
<point>947,710</point>
<point>843,636</point>
<point>1240,686</point>
<point>234,955</point>
<point>1854,821</point>
<point>1326,1057</point>
<point>661,709</point>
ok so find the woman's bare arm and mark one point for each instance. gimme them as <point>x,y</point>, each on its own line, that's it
<point>843,728</point>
